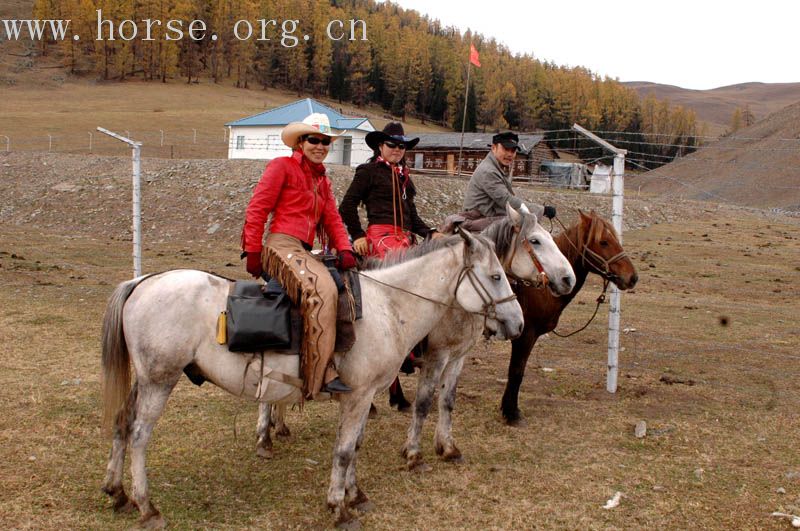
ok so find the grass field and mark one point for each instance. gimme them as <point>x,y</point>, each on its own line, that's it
<point>69,111</point>
<point>720,402</point>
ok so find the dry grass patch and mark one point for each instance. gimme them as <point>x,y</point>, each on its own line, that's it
<point>720,403</point>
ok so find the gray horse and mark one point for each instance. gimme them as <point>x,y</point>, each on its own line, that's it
<point>165,322</point>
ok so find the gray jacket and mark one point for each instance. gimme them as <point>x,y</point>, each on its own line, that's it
<point>489,190</point>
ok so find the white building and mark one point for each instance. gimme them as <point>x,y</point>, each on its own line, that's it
<point>259,136</point>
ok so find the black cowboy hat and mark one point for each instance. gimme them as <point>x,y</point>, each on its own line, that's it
<point>392,132</point>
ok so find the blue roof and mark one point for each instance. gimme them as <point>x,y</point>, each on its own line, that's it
<point>296,112</point>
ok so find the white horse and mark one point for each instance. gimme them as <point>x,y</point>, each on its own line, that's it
<point>448,345</point>
<point>166,322</point>
<point>526,250</point>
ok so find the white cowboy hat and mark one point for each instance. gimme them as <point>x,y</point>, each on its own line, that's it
<point>314,124</point>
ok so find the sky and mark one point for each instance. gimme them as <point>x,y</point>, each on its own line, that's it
<point>697,44</point>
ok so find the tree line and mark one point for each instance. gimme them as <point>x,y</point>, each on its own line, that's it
<point>409,64</point>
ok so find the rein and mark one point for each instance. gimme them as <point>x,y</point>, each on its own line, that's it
<point>605,272</point>
<point>489,309</point>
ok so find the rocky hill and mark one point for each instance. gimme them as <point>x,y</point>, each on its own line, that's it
<point>204,200</point>
<point>757,167</point>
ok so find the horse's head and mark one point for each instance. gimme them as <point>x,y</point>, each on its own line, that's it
<point>602,252</point>
<point>483,288</point>
<point>533,252</point>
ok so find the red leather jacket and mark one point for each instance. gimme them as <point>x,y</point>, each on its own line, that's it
<point>298,194</point>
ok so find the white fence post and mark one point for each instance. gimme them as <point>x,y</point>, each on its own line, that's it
<point>8,143</point>
<point>137,204</point>
<point>49,142</point>
<point>617,190</point>
<point>90,141</point>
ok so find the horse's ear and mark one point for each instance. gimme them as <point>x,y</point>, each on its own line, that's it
<point>584,215</point>
<point>514,216</point>
<point>465,235</point>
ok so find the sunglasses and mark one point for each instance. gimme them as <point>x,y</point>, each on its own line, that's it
<point>393,145</point>
<point>314,140</point>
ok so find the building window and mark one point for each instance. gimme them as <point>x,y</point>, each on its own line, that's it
<point>240,142</point>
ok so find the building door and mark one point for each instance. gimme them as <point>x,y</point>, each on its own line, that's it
<point>418,160</point>
<point>347,148</point>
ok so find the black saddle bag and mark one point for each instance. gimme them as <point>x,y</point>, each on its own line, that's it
<point>258,320</point>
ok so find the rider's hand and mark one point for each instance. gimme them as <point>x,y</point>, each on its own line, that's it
<point>549,211</point>
<point>347,260</point>
<point>361,246</point>
<point>254,263</point>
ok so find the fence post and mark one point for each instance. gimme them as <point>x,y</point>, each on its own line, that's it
<point>162,137</point>
<point>137,203</point>
<point>194,136</point>
<point>617,190</point>
<point>49,142</point>
<point>90,141</point>
<point>8,143</point>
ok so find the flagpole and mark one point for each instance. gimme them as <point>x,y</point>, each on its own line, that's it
<point>464,119</point>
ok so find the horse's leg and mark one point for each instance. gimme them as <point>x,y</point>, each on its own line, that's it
<point>279,421</point>
<point>520,351</point>
<point>113,482</point>
<point>263,440</point>
<point>396,397</point>
<point>355,496</point>
<point>353,412</point>
<point>443,438</point>
<point>149,405</point>
<point>426,387</point>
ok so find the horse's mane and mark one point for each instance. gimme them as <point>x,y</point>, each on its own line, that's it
<point>501,232</point>
<point>396,257</point>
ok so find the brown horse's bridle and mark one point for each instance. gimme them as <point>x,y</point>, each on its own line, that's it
<point>541,278</point>
<point>590,258</point>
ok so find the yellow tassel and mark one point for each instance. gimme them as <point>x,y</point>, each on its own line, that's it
<point>222,336</point>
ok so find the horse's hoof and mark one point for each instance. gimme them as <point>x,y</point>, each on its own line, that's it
<point>364,507</point>
<point>404,407</point>
<point>125,506</point>
<point>344,519</point>
<point>420,467</point>
<point>516,422</point>
<point>283,433</point>
<point>264,453</point>
<point>154,521</point>
<point>453,456</point>
<point>350,525</point>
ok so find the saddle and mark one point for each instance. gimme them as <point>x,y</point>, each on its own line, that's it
<point>471,221</point>
<point>261,317</point>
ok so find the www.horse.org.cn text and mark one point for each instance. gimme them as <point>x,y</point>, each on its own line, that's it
<point>287,31</point>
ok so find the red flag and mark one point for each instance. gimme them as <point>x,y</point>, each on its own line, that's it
<point>473,55</point>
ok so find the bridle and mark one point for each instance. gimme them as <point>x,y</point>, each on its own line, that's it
<point>541,278</point>
<point>589,258</point>
<point>489,308</point>
<point>601,266</point>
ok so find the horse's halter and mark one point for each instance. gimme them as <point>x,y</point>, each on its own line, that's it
<point>541,278</point>
<point>489,308</point>
<point>590,259</point>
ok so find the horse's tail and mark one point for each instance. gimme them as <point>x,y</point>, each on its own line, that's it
<point>116,360</point>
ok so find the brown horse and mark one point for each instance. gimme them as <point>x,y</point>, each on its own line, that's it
<point>591,246</point>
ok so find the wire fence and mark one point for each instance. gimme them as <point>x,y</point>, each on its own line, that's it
<point>717,169</point>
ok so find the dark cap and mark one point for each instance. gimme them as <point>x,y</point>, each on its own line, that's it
<point>507,139</point>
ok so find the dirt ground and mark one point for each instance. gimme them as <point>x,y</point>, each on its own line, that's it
<point>710,363</point>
